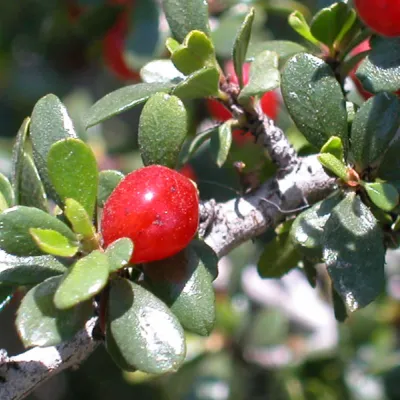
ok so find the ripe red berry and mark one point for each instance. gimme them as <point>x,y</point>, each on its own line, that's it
<point>157,208</point>
<point>113,50</point>
<point>382,16</point>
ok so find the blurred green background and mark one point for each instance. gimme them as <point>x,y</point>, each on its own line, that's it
<point>274,339</point>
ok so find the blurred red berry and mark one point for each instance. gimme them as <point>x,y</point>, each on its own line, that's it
<point>113,48</point>
<point>363,46</point>
<point>382,16</point>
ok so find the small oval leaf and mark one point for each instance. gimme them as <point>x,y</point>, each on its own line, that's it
<point>108,180</point>
<point>79,219</point>
<point>334,165</point>
<point>123,99</point>
<point>84,279</point>
<point>382,194</point>
<point>184,16</point>
<point>264,75</point>
<point>374,126</point>
<point>50,123</point>
<point>17,153</point>
<point>52,242</point>
<point>307,230</point>
<point>142,333</point>
<point>72,169</point>
<point>28,270</point>
<point>119,253</point>
<point>299,24</point>
<point>6,190</point>
<point>380,71</point>
<point>200,84</point>
<point>40,323</point>
<point>334,146</point>
<point>314,99</point>
<point>196,52</point>
<point>14,230</point>
<point>185,285</point>
<point>221,142</point>
<point>354,252</point>
<point>163,127</point>
<point>389,168</point>
<point>241,45</point>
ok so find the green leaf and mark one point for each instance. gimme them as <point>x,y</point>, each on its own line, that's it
<point>17,154</point>
<point>207,257</point>
<point>200,84</point>
<point>220,143</point>
<point>185,285</point>
<point>327,25</point>
<point>299,24</point>
<point>52,242</point>
<point>84,279</point>
<point>389,169</point>
<point>72,169</point>
<point>14,229</point>
<point>196,52</point>
<point>184,16</point>
<point>50,123</point>
<point>278,257</point>
<point>314,99</point>
<point>40,323</point>
<point>123,99</point>
<point>6,190</point>
<point>79,219</point>
<point>373,128</point>
<point>196,143</point>
<point>354,252</point>
<point>161,71</point>
<point>31,191</point>
<point>108,180</point>
<point>284,48</point>
<point>142,333</point>
<point>334,146</point>
<point>307,230</point>
<point>163,127</point>
<point>25,179</point>
<point>119,253</point>
<point>3,203</point>
<point>334,165</point>
<point>380,71</point>
<point>241,45</point>
<point>382,194</point>
<point>264,75</point>
<point>28,270</point>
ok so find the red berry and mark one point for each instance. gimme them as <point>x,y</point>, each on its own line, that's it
<point>157,208</point>
<point>269,104</point>
<point>382,16</point>
<point>113,50</point>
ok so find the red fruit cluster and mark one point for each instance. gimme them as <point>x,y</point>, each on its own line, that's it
<point>382,16</point>
<point>157,208</point>
<point>268,103</point>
